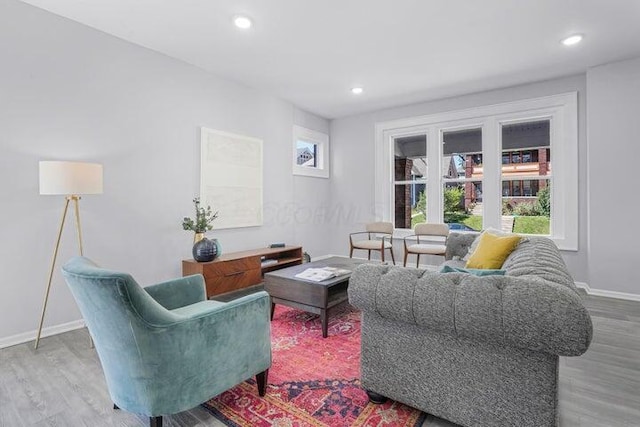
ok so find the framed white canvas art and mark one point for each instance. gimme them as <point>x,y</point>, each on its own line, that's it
<point>231,178</point>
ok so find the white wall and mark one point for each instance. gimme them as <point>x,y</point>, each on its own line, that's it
<point>69,92</point>
<point>613,114</point>
<point>312,196</point>
<point>352,138</point>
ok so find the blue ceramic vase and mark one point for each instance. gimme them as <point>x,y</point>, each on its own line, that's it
<point>206,250</point>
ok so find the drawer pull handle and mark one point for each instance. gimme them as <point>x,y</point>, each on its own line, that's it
<point>234,274</point>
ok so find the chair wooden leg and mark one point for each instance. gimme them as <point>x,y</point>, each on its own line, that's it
<point>392,257</point>
<point>351,252</point>
<point>261,381</point>
<point>417,260</point>
<point>382,254</point>
<point>369,256</point>
<point>155,421</point>
<point>406,254</point>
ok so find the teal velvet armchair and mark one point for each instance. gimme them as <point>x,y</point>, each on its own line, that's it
<point>164,348</point>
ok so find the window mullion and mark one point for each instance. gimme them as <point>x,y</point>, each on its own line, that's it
<point>434,174</point>
<point>492,164</point>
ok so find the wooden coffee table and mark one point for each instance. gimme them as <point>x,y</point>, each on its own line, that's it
<point>313,297</point>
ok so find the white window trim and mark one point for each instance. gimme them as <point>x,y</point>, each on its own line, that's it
<point>322,141</point>
<point>562,109</point>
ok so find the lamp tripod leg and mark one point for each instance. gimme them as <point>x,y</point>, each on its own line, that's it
<point>79,230</point>
<point>53,264</point>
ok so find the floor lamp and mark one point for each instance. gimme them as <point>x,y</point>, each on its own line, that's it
<point>69,179</point>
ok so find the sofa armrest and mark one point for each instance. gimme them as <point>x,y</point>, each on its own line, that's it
<point>178,292</point>
<point>527,313</point>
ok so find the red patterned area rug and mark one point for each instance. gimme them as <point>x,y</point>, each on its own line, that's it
<point>313,382</point>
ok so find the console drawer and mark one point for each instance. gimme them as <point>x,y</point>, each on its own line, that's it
<point>230,268</point>
<point>234,271</point>
<point>232,281</point>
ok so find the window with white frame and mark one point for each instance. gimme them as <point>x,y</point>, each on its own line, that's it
<point>310,153</point>
<point>409,180</point>
<point>494,169</point>
<point>462,177</point>
<point>526,175</point>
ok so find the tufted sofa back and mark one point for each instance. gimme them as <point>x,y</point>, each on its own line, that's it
<point>534,306</point>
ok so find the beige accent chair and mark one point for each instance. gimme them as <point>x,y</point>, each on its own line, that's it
<point>371,243</point>
<point>436,240</point>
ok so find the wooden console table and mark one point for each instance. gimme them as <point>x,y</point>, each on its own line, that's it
<point>239,270</point>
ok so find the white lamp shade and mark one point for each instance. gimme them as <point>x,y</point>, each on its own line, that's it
<point>70,178</point>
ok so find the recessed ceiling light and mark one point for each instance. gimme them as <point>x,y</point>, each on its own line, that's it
<point>571,40</point>
<point>357,90</point>
<point>242,22</point>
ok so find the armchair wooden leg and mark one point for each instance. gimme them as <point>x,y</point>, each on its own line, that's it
<point>261,381</point>
<point>155,421</point>
<point>392,257</point>
<point>369,256</point>
<point>351,252</point>
<point>417,260</point>
<point>382,254</point>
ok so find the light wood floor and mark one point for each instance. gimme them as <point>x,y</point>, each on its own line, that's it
<point>61,384</point>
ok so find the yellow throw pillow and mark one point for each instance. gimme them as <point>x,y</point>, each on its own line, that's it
<point>492,250</point>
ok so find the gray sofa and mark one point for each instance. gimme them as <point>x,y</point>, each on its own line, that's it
<point>478,351</point>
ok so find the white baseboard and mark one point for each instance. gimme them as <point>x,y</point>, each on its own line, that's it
<point>321,257</point>
<point>608,294</point>
<point>46,332</point>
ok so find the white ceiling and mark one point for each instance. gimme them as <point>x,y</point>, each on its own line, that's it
<point>401,51</point>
